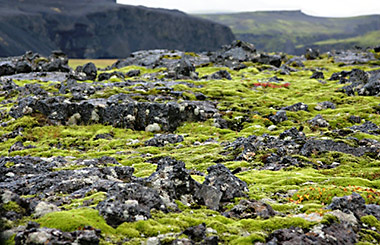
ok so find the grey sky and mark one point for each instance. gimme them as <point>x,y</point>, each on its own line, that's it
<point>331,8</point>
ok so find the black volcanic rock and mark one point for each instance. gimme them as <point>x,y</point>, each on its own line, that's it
<point>101,29</point>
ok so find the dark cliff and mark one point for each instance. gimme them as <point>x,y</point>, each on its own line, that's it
<point>101,29</point>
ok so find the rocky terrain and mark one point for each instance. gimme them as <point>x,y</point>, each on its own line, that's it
<point>233,146</point>
<point>101,29</point>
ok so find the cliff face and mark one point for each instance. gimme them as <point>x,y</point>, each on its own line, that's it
<point>101,29</point>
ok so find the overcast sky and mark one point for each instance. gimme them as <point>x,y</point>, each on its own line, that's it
<point>329,8</point>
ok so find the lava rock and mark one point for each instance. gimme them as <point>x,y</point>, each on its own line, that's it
<point>238,51</point>
<point>184,69</point>
<point>250,209</point>
<point>372,209</point>
<point>173,181</point>
<point>317,75</point>
<point>108,75</point>
<point>325,105</point>
<point>33,234</point>
<point>128,114</point>
<point>320,146</point>
<point>222,74</point>
<point>86,72</point>
<point>274,60</point>
<point>133,73</point>
<point>196,233</point>
<point>161,140</point>
<point>223,181</point>
<point>296,107</point>
<point>355,119</point>
<point>105,136</point>
<point>312,54</point>
<point>19,146</point>
<point>293,134</point>
<point>333,234</point>
<point>349,204</point>
<point>280,116</point>
<point>318,121</point>
<point>128,202</point>
<point>368,127</point>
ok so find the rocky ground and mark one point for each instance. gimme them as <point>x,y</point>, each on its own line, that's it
<point>168,147</point>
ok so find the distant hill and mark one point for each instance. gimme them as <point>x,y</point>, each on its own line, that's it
<point>293,31</point>
<point>101,29</point>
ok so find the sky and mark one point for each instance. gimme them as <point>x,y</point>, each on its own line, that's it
<point>325,8</point>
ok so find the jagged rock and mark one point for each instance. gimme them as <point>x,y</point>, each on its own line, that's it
<point>296,107</point>
<point>237,51</point>
<point>105,136</point>
<point>296,62</point>
<point>280,116</point>
<point>196,233</point>
<point>333,234</point>
<point>172,181</point>
<point>222,74</point>
<point>355,119</point>
<point>367,127</point>
<point>274,60</point>
<point>184,69</point>
<point>223,181</point>
<point>86,72</point>
<point>324,105</point>
<point>33,234</point>
<point>317,75</point>
<point>312,54</point>
<point>349,204</point>
<point>250,209</point>
<point>32,176</point>
<point>160,140</point>
<point>320,146</point>
<point>56,62</point>
<point>293,134</point>
<point>133,73</point>
<point>135,115</point>
<point>19,146</point>
<point>128,202</point>
<point>350,57</point>
<point>318,121</point>
<point>108,75</point>
<point>372,209</point>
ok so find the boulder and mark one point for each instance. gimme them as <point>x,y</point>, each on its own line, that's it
<point>220,183</point>
<point>296,107</point>
<point>250,209</point>
<point>318,121</point>
<point>173,181</point>
<point>311,54</point>
<point>280,116</point>
<point>160,140</point>
<point>128,202</point>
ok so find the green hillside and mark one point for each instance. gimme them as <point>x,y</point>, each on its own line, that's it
<point>293,31</point>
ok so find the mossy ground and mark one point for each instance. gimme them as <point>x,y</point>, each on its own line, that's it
<point>289,191</point>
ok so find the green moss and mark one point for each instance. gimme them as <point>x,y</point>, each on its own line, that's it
<point>75,219</point>
<point>91,200</point>
<point>13,206</point>
<point>251,239</point>
<point>329,219</point>
<point>9,164</point>
<point>11,240</point>
<point>371,221</point>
